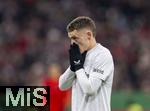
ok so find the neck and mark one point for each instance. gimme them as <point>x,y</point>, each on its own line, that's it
<point>93,44</point>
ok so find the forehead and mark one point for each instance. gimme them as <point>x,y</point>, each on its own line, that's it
<point>76,33</point>
<point>73,33</point>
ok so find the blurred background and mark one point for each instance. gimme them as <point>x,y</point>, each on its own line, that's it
<point>34,45</point>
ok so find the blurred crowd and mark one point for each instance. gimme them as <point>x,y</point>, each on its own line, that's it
<point>33,36</point>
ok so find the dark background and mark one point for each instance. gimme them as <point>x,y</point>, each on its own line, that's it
<point>33,36</point>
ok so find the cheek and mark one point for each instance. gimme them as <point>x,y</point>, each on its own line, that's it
<point>82,41</point>
<point>85,40</point>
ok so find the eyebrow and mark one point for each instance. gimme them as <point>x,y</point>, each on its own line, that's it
<point>73,37</point>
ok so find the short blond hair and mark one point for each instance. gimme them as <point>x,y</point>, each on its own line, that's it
<point>82,22</point>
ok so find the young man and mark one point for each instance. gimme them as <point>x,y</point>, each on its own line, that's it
<point>91,68</point>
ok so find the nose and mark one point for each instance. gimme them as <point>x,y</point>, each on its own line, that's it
<point>73,41</point>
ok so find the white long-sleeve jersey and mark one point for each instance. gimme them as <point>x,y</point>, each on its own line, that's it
<point>91,85</point>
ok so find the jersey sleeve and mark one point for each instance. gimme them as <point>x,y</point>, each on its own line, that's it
<point>102,67</point>
<point>66,79</point>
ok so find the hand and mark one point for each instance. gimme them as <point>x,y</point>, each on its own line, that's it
<point>76,58</point>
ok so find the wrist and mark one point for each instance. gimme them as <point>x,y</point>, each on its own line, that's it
<point>79,70</point>
<point>72,69</point>
<point>78,67</point>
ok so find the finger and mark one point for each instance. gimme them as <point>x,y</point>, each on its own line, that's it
<point>75,46</point>
<point>71,46</point>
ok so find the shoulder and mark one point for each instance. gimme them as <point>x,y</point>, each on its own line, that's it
<point>102,51</point>
<point>103,55</point>
<point>99,55</point>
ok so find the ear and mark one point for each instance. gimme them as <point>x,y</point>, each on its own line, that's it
<point>89,33</point>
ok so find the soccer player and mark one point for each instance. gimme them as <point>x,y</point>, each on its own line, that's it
<point>90,74</point>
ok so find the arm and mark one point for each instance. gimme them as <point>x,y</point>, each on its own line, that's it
<point>89,85</point>
<point>100,72</point>
<point>66,79</point>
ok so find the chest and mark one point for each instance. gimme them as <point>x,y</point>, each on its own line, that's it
<point>89,64</point>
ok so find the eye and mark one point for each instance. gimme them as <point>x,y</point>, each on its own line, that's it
<point>74,38</point>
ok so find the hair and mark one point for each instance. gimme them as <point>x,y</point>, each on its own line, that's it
<point>80,23</point>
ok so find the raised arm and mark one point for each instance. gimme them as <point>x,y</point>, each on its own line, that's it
<point>66,79</point>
